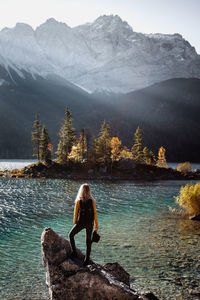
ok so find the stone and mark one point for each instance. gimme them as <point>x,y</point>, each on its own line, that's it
<point>118,272</point>
<point>195,217</point>
<point>126,164</point>
<point>67,278</point>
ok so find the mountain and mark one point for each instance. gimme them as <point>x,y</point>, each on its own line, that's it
<point>105,55</point>
<point>167,112</point>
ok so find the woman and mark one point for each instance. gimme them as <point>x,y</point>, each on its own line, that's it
<point>84,217</point>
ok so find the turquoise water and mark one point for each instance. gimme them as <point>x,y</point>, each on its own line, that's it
<point>158,248</point>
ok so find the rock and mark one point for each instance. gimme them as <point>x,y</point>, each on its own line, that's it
<point>195,217</point>
<point>118,272</point>
<point>195,293</point>
<point>67,278</point>
<point>126,164</point>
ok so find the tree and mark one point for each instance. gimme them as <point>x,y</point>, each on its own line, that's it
<point>94,150</point>
<point>115,145</point>
<point>36,136</point>
<point>126,153</point>
<point>67,138</point>
<point>83,145</point>
<point>103,149</point>
<point>148,156</point>
<point>88,141</point>
<point>45,145</point>
<point>79,151</point>
<point>161,162</point>
<point>137,146</point>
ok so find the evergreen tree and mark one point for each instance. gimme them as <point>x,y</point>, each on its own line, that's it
<point>103,148</point>
<point>45,146</point>
<point>36,136</point>
<point>94,150</point>
<point>137,146</point>
<point>88,141</point>
<point>67,138</point>
<point>148,156</point>
<point>83,145</point>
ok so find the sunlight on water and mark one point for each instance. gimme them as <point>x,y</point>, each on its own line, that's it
<point>159,249</point>
<point>11,164</point>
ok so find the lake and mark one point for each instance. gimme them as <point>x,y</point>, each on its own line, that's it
<point>11,164</point>
<point>158,248</point>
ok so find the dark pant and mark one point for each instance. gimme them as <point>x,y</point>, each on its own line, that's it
<point>76,229</point>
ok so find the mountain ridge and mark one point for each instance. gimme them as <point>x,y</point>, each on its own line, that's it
<point>106,54</point>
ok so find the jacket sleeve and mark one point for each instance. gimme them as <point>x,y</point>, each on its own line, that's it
<point>95,215</point>
<point>76,209</point>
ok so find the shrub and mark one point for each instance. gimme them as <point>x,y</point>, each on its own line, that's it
<point>184,167</point>
<point>189,198</point>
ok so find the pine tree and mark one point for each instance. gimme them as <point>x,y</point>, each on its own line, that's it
<point>148,156</point>
<point>94,150</point>
<point>103,148</point>
<point>137,146</point>
<point>36,136</point>
<point>88,141</point>
<point>83,145</point>
<point>67,138</point>
<point>45,146</point>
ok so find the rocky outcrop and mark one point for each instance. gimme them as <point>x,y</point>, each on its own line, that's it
<point>67,278</point>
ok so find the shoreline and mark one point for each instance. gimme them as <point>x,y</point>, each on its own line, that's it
<point>134,172</point>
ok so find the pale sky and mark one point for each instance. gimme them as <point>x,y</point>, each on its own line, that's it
<point>147,16</point>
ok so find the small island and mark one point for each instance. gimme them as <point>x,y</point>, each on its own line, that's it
<point>124,169</point>
<point>98,158</point>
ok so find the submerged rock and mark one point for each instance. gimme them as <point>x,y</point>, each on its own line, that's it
<point>67,278</point>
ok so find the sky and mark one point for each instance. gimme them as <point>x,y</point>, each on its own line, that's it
<point>147,16</point>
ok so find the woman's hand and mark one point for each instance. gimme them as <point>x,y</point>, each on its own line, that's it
<point>96,228</point>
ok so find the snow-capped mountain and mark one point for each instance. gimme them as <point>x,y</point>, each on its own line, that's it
<point>104,55</point>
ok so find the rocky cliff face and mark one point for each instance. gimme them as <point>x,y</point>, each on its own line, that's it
<point>104,55</point>
<point>66,278</point>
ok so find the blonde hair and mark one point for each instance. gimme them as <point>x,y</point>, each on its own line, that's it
<point>84,193</point>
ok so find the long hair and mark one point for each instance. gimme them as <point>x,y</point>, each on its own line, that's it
<point>84,193</point>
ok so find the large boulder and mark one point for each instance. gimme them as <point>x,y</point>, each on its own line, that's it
<point>67,278</point>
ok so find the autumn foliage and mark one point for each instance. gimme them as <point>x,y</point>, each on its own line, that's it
<point>103,149</point>
<point>184,167</point>
<point>189,198</point>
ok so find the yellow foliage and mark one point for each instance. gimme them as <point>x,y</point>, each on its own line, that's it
<point>189,198</point>
<point>115,145</point>
<point>126,153</point>
<point>184,167</point>
<point>161,162</point>
<point>161,155</point>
